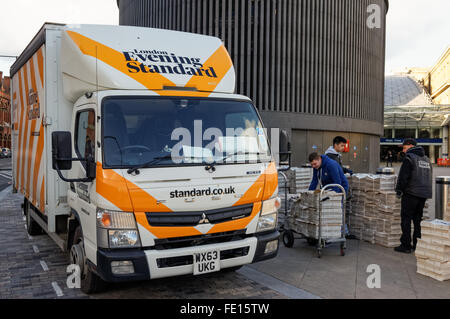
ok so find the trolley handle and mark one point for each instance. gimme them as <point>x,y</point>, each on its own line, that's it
<point>325,199</point>
<point>285,192</point>
<point>334,185</point>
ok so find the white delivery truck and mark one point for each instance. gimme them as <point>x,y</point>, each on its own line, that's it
<point>133,153</point>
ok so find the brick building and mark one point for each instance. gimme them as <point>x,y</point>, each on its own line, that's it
<point>5,111</point>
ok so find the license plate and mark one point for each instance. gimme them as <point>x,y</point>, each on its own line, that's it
<point>205,262</point>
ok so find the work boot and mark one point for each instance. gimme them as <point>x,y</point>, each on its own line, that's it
<point>402,249</point>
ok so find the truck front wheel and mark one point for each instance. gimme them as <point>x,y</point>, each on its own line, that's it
<point>90,282</point>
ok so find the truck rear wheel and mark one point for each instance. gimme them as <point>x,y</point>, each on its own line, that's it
<point>33,228</point>
<point>90,282</point>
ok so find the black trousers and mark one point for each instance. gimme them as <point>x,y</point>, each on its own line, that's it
<point>412,210</point>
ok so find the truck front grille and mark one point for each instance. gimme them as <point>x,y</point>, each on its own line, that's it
<point>214,216</point>
<point>207,239</point>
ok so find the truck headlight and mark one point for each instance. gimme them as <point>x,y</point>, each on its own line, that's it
<point>267,222</point>
<point>123,238</point>
<point>116,229</point>
<point>270,206</point>
<point>269,214</point>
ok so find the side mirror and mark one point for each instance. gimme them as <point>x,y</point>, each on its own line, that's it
<point>285,148</point>
<point>91,168</point>
<point>61,150</point>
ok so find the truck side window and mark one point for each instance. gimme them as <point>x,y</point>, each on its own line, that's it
<point>85,134</point>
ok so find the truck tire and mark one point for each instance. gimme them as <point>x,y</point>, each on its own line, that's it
<point>89,281</point>
<point>288,238</point>
<point>33,228</point>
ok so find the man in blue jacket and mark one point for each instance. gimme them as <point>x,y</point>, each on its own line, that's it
<point>326,171</point>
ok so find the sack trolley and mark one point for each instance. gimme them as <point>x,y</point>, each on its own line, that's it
<point>289,234</point>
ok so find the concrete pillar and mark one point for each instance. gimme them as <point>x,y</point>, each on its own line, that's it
<point>445,142</point>
<point>432,157</point>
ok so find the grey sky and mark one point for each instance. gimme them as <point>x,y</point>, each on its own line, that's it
<point>20,20</point>
<point>417,30</point>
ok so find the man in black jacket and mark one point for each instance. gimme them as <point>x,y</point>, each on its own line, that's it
<point>414,186</point>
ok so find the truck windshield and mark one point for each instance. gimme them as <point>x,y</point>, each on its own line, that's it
<point>166,131</point>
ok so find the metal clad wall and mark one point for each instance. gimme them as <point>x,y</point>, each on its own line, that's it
<point>306,64</point>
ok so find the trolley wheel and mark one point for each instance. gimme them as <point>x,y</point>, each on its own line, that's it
<point>288,238</point>
<point>311,241</point>
<point>342,250</point>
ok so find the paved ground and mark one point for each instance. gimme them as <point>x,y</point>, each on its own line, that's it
<point>34,267</point>
<point>5,163</point>
<point>5,173</point>
<point>334,276</point>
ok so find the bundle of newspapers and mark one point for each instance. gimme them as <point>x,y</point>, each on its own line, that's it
<point>302,179</point>
<point>433,250</point>
<point>447,211</point>
<point>297,180</point>
<point>294,181</point>
<point>375,209</point>
<point>306,216</point>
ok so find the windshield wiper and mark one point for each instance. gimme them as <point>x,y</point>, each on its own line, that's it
<point>153,161</point>
<point>225,157</point>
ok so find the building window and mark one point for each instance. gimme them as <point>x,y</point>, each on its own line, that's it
<point>424,133</point>
<point>405,133</point>
<point>436,133</point>
<point>387,133</point>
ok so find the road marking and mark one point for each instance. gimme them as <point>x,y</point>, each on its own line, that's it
<point>58,290</point>
<point>5,192</point>
<point>282,287</point>
<point>44,265</point>
<point>36,249</point>
<point>5,176</point>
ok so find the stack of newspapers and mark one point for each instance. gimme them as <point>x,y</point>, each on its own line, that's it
<point>433,250</point>
<point>306,217</point>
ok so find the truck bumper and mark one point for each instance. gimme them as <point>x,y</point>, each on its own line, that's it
<point>263,240</point>
<point>136,256</point>
<point>152,263</point>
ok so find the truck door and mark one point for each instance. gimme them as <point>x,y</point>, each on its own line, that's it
<point>84,143</point>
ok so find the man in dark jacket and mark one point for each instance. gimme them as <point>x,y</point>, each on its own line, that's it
<point>414,186</point>
<point>334,152</point>
<point>326,171</point>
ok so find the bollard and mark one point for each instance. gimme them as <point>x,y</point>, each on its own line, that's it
<point>442,209</point>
